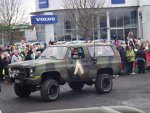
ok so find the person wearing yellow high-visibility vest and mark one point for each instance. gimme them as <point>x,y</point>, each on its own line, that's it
<point>6,61</point>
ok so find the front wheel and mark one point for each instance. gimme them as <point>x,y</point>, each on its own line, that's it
<point>22,91</point>
<point>103,83</point>
<point>50,90</point>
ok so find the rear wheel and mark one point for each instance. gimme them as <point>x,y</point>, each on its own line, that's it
<point>22,91</point>
<point>76,85</point>
<point>103,83</point>
<point>50,90</point>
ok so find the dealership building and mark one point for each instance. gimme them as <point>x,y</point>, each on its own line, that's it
<point>116,20</point>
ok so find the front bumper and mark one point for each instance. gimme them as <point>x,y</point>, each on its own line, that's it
<point>27,81</point>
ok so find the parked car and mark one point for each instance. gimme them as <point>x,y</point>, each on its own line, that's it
<point>39,45</point>
<point>76,65</point>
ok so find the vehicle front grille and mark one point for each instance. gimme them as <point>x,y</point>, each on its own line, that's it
<point>21,72</point>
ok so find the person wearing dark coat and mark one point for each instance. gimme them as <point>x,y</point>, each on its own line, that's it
<point>141,58</point>
<point>1,66</point>
<point>122,53</point>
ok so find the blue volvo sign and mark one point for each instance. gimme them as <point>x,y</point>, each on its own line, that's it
<point>43,4</point>
<point>44,19</point>
<point>118,1</point>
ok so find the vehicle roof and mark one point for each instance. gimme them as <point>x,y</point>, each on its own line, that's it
<point>83,44</point>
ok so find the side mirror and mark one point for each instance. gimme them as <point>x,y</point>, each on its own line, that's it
<point>94,60</point>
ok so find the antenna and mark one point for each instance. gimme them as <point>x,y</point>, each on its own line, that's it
<point>94,42</point>
<point>93,35</point>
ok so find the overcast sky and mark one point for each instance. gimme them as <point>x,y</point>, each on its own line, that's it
<point>30,3</point>
<point>31,7</point>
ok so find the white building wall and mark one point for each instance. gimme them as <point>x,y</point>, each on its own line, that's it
<point>146,22</point>
<point>58,4</point>
<point>49,30</point>
<point>128,3</point>
<point>144,2</point>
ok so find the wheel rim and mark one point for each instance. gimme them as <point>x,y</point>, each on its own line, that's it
<point>53,91</point>
<point>106,84</point>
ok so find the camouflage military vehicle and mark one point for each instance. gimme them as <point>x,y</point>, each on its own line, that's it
<point>75,64</point>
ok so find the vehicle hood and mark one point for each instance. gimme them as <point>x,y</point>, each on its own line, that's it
<point>34,63</point>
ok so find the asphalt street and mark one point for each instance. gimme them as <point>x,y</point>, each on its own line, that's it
<point>131,90</point>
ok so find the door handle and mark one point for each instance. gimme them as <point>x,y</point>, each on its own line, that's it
<point>94,61</point>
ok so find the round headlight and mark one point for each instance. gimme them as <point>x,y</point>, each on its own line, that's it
<point>31,70</point>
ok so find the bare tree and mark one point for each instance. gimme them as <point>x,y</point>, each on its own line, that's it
<point>83,14</point>
<point>12,12</point>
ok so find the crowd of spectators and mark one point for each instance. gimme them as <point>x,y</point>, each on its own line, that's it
<point>135,54</point>
<point>14,54</point>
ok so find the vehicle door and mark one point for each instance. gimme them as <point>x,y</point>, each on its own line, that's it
<point>102,56</point>
<point>78,64</point>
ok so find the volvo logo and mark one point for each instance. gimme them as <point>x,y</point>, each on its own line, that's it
<point>45,19</point>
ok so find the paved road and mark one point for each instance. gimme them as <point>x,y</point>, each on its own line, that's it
<point>133,90</point>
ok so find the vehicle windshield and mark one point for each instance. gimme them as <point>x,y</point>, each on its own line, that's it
<point>54,52</point>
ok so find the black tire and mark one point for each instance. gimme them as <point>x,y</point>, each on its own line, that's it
<point>50,90</point>
<point>103,83</point>
<point>77,86</point>
<point>22,91</point>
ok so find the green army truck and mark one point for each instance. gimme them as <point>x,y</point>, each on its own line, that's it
<point>76,65</point>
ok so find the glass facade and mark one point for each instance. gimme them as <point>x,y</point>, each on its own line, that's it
<point>115,22</point>
<point>40,32</point>
<point>122,22</point>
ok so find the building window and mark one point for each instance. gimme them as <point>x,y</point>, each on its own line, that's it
<point>122,21</point>
<point>127,16</point>
<point>103,33</point>
<point>120,34</point>
<point>40,31</point>
<point>119,17</point>
<point>67,26</point>
<point>113,22</point>
<point>134,18</point>
<point>103,20</point>
<point>113,34</point>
